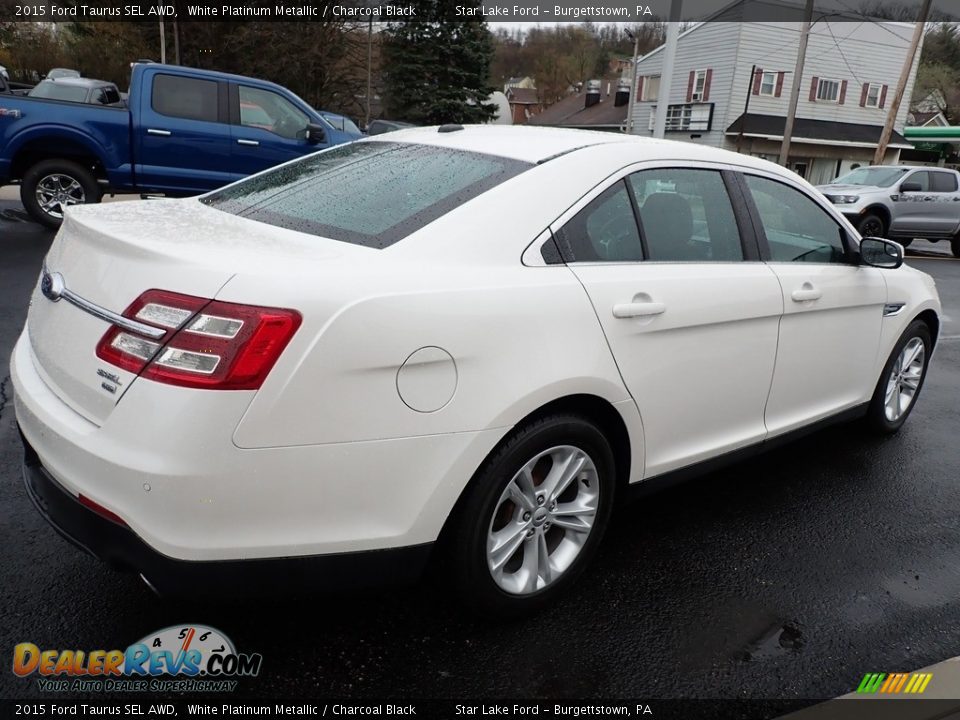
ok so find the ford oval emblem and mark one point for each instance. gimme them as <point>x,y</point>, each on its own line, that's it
<point>51,285</point>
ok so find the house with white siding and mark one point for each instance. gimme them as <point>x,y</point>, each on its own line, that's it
<point>732,80</point>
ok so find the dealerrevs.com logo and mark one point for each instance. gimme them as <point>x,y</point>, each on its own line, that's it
<point>180,658</point>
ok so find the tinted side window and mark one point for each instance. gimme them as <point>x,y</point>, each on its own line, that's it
<point>943,182</point>
<point>686,215</point>
<point>797,229</point>
<point>268,111</point>
<point>185,97</point>
<point>921,178</point>
<point>111,96</point>
<point>604,231</point>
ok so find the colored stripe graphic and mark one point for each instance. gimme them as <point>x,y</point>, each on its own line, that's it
<point>907,683</point>
<point>871,682</point>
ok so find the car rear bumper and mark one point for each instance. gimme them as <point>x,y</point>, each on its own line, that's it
<point>163,461</point>
<point>119,546</point>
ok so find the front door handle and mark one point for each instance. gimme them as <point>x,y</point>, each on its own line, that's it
<point>252,143</point>
<point>806,293</point>
<point>638,309</point>
<point>162,133</point>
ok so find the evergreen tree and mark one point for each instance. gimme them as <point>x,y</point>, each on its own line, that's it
<point>436,69</point>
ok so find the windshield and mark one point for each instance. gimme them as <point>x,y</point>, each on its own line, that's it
<point>367,193</point>
<point>871,176</point>
<point>58,91</point>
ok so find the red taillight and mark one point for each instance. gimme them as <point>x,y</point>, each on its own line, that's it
<point>101,510</point>
<point>208,343</point>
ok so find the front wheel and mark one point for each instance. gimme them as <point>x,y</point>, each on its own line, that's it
<point>51,185</point>
<point>534,516</point>
<point>901,381</point>
<point>871,225</point>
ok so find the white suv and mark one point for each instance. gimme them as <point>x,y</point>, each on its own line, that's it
<point>475,338</point>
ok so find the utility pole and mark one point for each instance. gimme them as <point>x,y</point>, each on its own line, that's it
<point>666,71</point>
<point>901,84</point>
<point>746,108</point>
<point>795,85</point>
<point>634,91</point>
<point>176,42</point>
<point>163,43</point>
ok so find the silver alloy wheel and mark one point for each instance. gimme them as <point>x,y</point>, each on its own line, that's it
<point>55,191</point>
<point>542,520</point>
<point>904,380</point>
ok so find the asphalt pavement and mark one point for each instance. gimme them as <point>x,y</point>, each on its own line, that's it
<point>787,576</point>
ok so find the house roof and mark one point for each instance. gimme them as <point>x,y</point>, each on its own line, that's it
<point>571,111</point>
<point>922,118</point>
<point>523,96</point>
<point>817,132</point>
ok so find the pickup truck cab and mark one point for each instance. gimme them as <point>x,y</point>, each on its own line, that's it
<point>901,202</point>
<point>184,131</point>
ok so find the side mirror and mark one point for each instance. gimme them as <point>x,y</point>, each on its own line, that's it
<point>316,133</point>
<point>910,187</point>
<point>880,253</point>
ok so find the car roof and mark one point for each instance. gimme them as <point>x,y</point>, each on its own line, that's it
<point>539,144</point>
<point>80,82</point>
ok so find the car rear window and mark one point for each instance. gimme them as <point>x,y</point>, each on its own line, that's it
<point>366,193</point>
<point>53,91</point>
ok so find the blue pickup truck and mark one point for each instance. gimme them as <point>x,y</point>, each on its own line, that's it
<point>184,131</point>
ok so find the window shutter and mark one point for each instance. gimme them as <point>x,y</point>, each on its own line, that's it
<point>813,88</point>
<point>757,79</point>
<point>706,85</point>
<point>843,92</point>
<point>883,95</point>
<point>863,94</point>
<point>639,88</point>
<point>690,81</point>
<point>779,88</point>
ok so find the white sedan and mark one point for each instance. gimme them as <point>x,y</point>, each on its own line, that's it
<point>472,339</point>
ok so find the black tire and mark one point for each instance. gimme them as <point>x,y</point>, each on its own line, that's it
<point>905,242</point>
<point>72,173</point>
<point>955,247</point>
<point>872,225</point>
<point>468,552</point>
<point>876,417</point>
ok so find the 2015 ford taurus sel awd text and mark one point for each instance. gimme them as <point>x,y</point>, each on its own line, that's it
<point>469,339</point>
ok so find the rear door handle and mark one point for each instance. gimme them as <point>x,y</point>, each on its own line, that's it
<point>638,309</point>
<point>252,143</point>
<point>155,131</point>
<point>806,292</point>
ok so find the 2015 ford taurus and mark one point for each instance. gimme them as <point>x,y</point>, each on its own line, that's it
<point>474,338</point>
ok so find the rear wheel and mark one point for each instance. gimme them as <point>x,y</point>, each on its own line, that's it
<point>51,185</point>
<point>534,516</point>
<point>872,225</point>
<point>901,381</point>
<point>955,247</point>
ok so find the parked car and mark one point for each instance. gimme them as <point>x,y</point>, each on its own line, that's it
<point>10,88</point>
<point>58,73</point>
<point>454,340</point>
<point>341,122</point>
<point>902,202</point>
<point>184,133</point>
<point>80,90</point>
<point>378,127</point>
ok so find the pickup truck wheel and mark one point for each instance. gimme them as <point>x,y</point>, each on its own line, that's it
<point>871,225</point>
<point>955,247</point>
<point>51,185</point>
